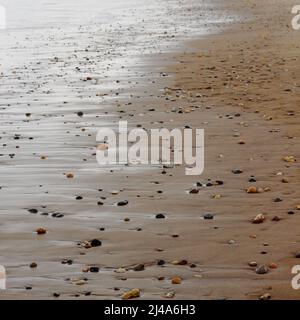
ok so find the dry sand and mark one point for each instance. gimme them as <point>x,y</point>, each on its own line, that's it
<point>240,85</point>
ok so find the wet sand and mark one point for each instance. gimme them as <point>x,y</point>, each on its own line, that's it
<point>241,87</point>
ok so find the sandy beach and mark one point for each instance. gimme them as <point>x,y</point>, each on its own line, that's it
<point>233,72</point>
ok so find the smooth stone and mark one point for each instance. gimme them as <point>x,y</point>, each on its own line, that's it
<point>208,216</point>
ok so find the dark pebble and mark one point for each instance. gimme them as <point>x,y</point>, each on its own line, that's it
<point>95,243</point>
<point>237,171</point>
<point>33,210</point>
<point>122,203</point>
<point>160,216</point>
<point>57,215</point>
<point>208,216</point>
<point>94,269</point>
<point>139,267</point>
<point>161,262</point>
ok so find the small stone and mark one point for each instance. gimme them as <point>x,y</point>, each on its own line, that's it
<point>120,270</point>
<point>94,269</point>
<point>161,262</point>
<point>252,264</point>
<point>252,190</point>
<point>86,244</point>
<point>237,171</point>
<point>139,267</point>
<point>33,265</point>
<point>276,218</point>
<point>208,216</point>
<point>80,113</point>
<point>176,280</point>
<point>85,269</point>
<point>134,293</point>
<point>289,159</point>
<point>79,282</point>
<point>259,218</point>
<point>219,182</point>
<point>57,215</point>
<point>194,191</point>
<point>273,265</point>
<point>262,269</point>
<point>231,242</point>
<point>122,203</point>
<point>297,255</point>
<point>56,295</point>
<point>95,243</point>
<point>34,211</point>
<point>160,216</point>
<point>285,180</point>
<point>169,295</point>
<point>265,296</point>
<point>41,231</point>
<point>70,175</point>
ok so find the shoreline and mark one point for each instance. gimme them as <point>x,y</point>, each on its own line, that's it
<point>210,256</point>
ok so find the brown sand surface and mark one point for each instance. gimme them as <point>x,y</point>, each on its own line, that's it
<point>240,86</point>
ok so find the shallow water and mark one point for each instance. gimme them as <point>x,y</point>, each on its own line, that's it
<point>120,28</point>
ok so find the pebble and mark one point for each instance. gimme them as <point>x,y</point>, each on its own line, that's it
<point>237,171</point>
<point>265,296</point>
<point>33,211</point>
<point>120,270</point>
<point>95,243</point>
<point>122,203</point>
<point>276,218</point>
<point>262,269</point>
<point>94,269</point>
<point>169,295</point>
<point>139,267</point>
<point>134,293</point>
<point>208,216</point>
<point>252,264</point>
<point>297,255</point>
<point>57,215</point>
<point>259,218</point>
<point>176,280</point>
<point>289,159</point>
<point>273,265</point>
<point>160,216</point>
<point>252,190</point>
<point>41,231</point>
<point>33,265</point>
